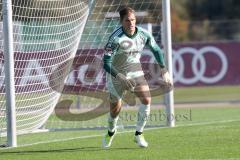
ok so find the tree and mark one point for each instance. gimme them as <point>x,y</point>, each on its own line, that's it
<point>220,15</point>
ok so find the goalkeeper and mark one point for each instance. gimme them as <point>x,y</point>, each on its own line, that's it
<point>124,72</point>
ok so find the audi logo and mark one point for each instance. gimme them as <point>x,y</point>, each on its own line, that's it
<point>198,65</point>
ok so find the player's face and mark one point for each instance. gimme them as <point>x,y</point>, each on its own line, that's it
<point>129,23</point>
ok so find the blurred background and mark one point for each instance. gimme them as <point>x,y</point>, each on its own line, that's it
<point>205,21</point>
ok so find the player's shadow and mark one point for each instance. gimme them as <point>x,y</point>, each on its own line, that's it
<point>84,149</point>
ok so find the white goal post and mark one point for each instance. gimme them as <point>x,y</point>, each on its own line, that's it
<point>42,35</point>
<point>9,73</point>
<point>167,43</point>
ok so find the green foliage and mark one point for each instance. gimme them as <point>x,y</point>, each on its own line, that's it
<point>207,20</point>
<point>213,10</point>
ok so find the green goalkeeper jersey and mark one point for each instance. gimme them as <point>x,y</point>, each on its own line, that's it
<point>123,52</point>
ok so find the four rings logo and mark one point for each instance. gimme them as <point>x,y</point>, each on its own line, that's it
<point>190,65</point>
<point>199,65</point>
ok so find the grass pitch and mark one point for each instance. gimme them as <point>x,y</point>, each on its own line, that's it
<point>218,141</point>
<point>202,132</point>
<point>211,133</point>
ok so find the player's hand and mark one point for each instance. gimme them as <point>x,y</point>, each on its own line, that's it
<point>166,76</point>
<point>128,84</point>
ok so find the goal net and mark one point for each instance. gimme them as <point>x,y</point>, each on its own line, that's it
<point>57,89</point>
<point>46,35</point>
<point>84,102</point>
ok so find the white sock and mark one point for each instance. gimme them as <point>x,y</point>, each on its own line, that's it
<point>143,114</point>
<point>112,123</point>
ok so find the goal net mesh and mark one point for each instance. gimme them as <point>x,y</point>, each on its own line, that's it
<point>85,97</point>
<point>58,41</point>
<point>46,35</point>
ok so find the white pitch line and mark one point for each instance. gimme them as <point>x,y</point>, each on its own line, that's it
<point>215,159</point>
<point>93,136</point>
